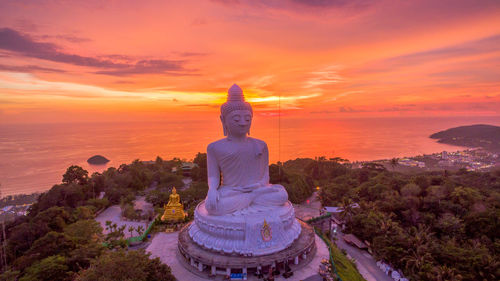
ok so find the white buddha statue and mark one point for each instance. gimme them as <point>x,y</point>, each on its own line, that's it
<point>243,213</point>
<point>242,161</point>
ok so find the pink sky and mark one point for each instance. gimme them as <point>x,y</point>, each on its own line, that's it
<point>147,60</point>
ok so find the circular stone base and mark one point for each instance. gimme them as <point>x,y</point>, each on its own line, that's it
<point>209,262</point>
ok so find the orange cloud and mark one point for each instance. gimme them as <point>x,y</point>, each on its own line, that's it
<point>162,58</point>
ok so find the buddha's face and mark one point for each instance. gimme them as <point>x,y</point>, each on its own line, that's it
<point>238,123</point>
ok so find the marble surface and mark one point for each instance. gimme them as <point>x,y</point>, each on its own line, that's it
<point>243,213</point>
<point>243,232</point>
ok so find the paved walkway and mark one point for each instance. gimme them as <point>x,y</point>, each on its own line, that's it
<point>164,246</point>
<point>113,214</point>
<point>308,209</point>
<point>141,204</point>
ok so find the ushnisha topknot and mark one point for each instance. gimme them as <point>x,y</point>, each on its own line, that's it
<point>235,101</point>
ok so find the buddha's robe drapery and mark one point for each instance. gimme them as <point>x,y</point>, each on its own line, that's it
<point>244,170</point>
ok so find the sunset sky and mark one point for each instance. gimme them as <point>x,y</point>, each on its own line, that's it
<point>77,61</point>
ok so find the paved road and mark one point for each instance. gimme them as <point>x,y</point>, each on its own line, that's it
<point>364,261</point>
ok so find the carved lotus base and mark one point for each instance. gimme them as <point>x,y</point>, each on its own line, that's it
<point>254,231</point>
<point>204,262</point>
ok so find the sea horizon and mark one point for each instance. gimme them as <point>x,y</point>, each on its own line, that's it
<point>37,155</point>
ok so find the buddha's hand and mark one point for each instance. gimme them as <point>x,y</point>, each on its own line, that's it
<point>212,198</point>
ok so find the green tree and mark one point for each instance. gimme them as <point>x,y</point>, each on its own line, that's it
<point>445,273</point>
<point>199,172</point>
<point>194,194</point>
<point>126,265</point>
<point>52,243</point>
<point>75,174</point>
<point>10,275</point>
<point>84,213</point>
<point>416,260</point>
<point>131,229</point>
<point>347,206</point>
<point>158,197</point>
<point>54,218</point>
<point>140,230</point>
<point>48,269</point>
<point>394,163</point>
<point>84,231</point>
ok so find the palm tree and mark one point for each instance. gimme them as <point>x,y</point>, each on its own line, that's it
<point>386,225</point>
<point>444,273</point>
<point>394,163</point>
<point>121,230</point>
<point>489,267</point>
<point>131,230</point>
<point>140,229</point>
<point>416,259</point>
<point>368,205</point>
<point>347,209</point>
<point>108,225</point>
<point>422,236</point>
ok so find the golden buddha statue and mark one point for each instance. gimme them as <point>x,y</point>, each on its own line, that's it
<point>174,210</point>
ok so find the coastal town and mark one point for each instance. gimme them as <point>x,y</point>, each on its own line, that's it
<point>474,159</point>
<point>13,206</point>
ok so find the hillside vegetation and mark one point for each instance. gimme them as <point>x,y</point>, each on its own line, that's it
<point>485,136</point>
<point>433,226</point>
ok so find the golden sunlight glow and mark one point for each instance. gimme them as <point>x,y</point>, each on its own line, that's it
<point>314,60</point>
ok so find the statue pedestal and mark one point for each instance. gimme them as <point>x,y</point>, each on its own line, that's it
<point>173,214</point>
<point>254,231</point>
<point>207,263</point>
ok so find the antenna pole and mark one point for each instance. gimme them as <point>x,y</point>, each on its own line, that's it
<point>279,133</point>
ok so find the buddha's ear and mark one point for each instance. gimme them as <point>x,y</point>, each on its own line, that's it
<point>223,125</point>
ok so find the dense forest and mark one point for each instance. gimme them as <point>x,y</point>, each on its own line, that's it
<point>433,226</point>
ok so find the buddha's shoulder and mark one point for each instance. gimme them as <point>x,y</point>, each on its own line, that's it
<point>217,145</point>
<point>257,141</point>
<point>222,144</point>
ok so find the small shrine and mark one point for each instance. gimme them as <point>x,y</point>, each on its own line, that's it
<point>174,210</point>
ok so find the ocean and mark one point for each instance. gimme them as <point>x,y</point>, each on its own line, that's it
<point>35,156</point>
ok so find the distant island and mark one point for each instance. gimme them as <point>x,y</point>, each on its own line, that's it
<point>484,136</point>
<point>97,160</point>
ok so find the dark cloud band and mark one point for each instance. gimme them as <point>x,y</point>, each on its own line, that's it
<point>13,41</point>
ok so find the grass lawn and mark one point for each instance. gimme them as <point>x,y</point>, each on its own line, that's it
<point>346,269</point>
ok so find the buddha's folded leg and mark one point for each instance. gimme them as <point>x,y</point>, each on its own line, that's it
<point>231,201</point>
<point>274,195</point>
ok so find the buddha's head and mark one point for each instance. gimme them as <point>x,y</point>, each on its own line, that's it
<point>236,113</point>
